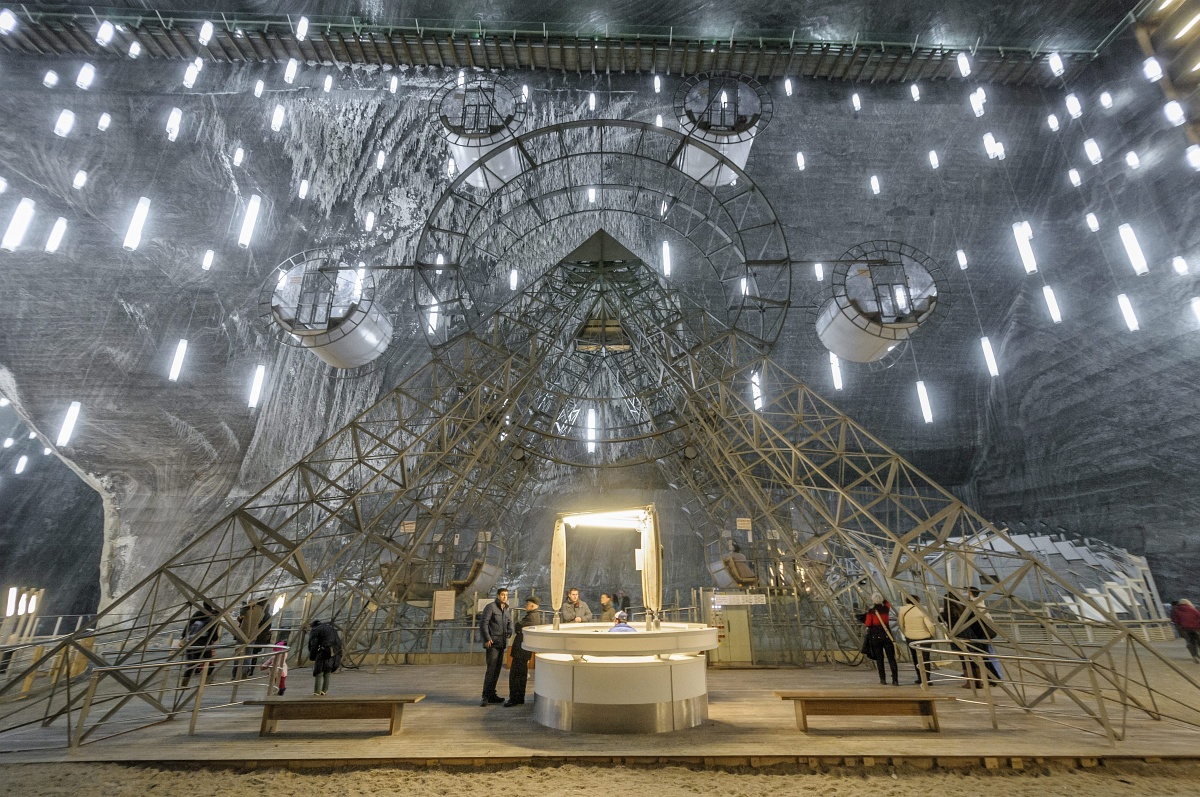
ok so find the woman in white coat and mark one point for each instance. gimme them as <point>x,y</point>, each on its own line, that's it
<point>916,627</point>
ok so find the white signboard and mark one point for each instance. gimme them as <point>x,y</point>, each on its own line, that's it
<point>738,599</point>
<point>443,604</point>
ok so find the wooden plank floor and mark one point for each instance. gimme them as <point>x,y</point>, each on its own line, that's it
<point>745,720</point>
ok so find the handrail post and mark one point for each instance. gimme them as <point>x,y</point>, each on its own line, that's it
<point>984,673</point>
<point>77,739</point>
<point>1104,720</point>
<point>199,698</point>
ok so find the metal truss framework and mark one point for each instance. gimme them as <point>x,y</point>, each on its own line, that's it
<point>453,448</point>
<point>763,55</point>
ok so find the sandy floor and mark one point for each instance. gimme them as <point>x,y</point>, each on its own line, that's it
<point>114,780</point>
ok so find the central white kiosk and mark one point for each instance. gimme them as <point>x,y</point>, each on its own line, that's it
<point>590,680</point>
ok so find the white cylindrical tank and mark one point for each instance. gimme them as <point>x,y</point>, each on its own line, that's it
<point>478,114</point>
<point>725,111</point>
<point>327,307</point>
<point>882,292</point>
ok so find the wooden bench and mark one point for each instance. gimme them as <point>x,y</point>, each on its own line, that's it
<point>864,703</point>
<point>389,707</point>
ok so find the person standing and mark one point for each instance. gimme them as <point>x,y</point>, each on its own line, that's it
<point>495,627</point>
<point>200,639</point>
<point>278,655</point>
<point>325,650</point>
<point>879,636</point>
<point>575,610</point>
<point>977,636</point>
<point>916,626</point>
<point>518,671</point>
<point>622,601</point>
<point>607,610</point>
<point>1187,621</point>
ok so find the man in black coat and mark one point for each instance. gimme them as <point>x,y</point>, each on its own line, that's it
<point>495,627</point>
<point>518,674</point>
<point>325,650</point>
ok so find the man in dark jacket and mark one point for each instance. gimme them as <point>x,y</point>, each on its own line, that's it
<point>200,638</point>
<point>325,650</point>
<point>518,673</point>
<point>495,627</point>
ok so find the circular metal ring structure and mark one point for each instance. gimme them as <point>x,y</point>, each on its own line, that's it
<point>730,272</point>
<point>477,112</point>
<point>722,107</point>
<point>882,292</point>
<point>324,301</point>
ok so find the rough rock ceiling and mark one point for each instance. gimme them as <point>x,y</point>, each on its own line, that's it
<point>1089,427</point>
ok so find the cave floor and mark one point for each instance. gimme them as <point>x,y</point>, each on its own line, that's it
<point>747,725</point>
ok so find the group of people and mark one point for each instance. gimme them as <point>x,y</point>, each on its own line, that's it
<point>496,629</point>
<point>914,625</point>
<point>203,631</point>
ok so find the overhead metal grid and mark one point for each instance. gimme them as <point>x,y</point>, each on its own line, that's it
<point>350,42</point>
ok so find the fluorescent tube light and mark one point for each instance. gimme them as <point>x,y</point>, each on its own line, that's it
<point>1022,236</point>
<point>394,84</point>
<point>1193,156</point>
<point>923,395</point>
<point>258,88</point>
<point>512,280</point>
<point>173,122</point>
<point>277,118</point>
<point>874,184</point>
<point>1052,304</point>
<point>8,23</point>
<point>1056,64</point>
<point>289,72</point>
<point>590,426</point>
<point>1132,160</point>
<point>916,91</point>
<point>87,73</point>
<point>591,195</point>
<point>1184,30</point>
<point>68,425</point>
<point>1106,100</point>
<point>835,367</point>
<point>433,318</point>
<point>658,120</point>
<point>177,362</point>
<point>303,192</point>
<point>787,86</point>
<point>856,102</point>
<point>964,64</point>
<point>1127,311</point>
<point>189,76</point>
<point>50,80</point>
<point>103,122</point>
<point>206,33</point>
<point>256,386</point>
<point>328,83</point>
<point>1074,107</point>
<point>249,220</point>
<point>369,221</point>
<point>18,225</point>
<point>1152,69</point>
<point>819,271</point>
<point>56,234</point>
<point>962,259</point>
<point>666,258</point>
<point>1093,223</point>
<point>933,159</point>
<point>591,101</point>
<point>756,390</point>
<point>1133,249</point>
<point>1073,176</point>
<point>135,49</point>
<point>1180,265</point>
<point>21,464</point>
<point>1174,113</point>
<point>800,161</point>
<point>1196,307</point>
<point>301,29</point>
<point>989,356</point>
<point>978,98</point>
<point>133,236</point>
<point>1092,150</point>
<point>1052,121</point>
<point>64,123</point>
<point>207,261</point>
<point>657,84</point>
<point>238,155</point>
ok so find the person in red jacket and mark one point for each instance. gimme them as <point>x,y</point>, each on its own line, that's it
<point>1187,620</point>
<point>879,636</point>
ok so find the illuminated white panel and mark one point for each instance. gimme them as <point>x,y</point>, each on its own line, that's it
<point>238,155</point>
<point>915,90</point>
<point>591,195</point>
<point>1133,249</point>
<point>590,427</point>
<point>277,118</point>
<point>103,122</point>
<point>135,49</point>
<point>80,180</point>
<point>207,261</point>
<point>962,259</point>
<point>177,360</point>
<point>989,356</point>
<point>20,468</point>
<point>591,101</point>
<point>133,236</point>
<point>1152,69</point>
<point>1093,223</point>
<point>68,425</point>
<point>1074,107</point>
<point>1127,312</point>
<point>923,396</point>
<point>451,167</point>
<point>756,390</point>
<point>819,272</point>
<point>657,84</point>
<point>303,192</point>
<point>666,258</point>
<point>1180,265</point>
<point>1174,113</point>
<point>1106,100</point>
<point>8,23</point>
<point>1052,304</point>
<point>874,184</point>
<point>18,225</point>
<point>800,161</point>
<point>964,64</point>
<point>933,159</point>
<point>1056,64</point>
<point>206,33</point>
<point>658,120</point>
<point>856,102</point>
<point>1132,160</point>
<point>248,221</point>
<point>258,88</point>
<point>1073,176</point>
<point>1052,121</point>
<point>369,222</point>
<point>328,83</point>
<point>1092,150</point>
<point>513,278</point>
<point>394,84</point>
<point>50,80</point>
<point>835,368</point>
<point>289,72</point>
<point>1193,156</point>
<point>301,32</point>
